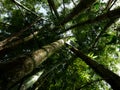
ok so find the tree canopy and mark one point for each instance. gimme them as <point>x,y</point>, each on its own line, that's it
<point>59,45</point>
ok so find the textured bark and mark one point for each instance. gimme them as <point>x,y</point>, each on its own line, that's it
<point>106,74</point>
<point>15,70</point>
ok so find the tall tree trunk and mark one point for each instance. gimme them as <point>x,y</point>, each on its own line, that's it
<point>15,36</point>
<point>52,5</point>
<point>15,70</point>
<point>82,6</point>
<point>114,14</point>
<point>9,45</point>
<point>106,74</point>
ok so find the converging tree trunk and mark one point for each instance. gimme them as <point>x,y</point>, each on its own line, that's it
<point>15,70</point>
<point>82,6</point>
<point>106,74</point>
<point>114,14</point>
<point>22,54</point>
<point>52,5</point>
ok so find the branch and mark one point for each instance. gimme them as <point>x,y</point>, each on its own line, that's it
<point>14,71</point>
<point>52,5</point>
<point>114,14</point>
<point>74,2</point>
<point>46,74</point>
<point>82,6</point>
<point>24,7</point>
<point>8,47</point>
<point>89,83</point>
<point>64,10</point>
<point>16,35</point>
<point>110,77</point>
<point>110,4</point>
<point>101,33</point>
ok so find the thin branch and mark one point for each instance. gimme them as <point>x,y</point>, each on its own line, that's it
<point>109,76</point>
<point>114,14</point>
<point>112,4</point>
<point>108,4</point>
<point>64,7</point>
<point>20,67</point>
<point>46,74</point>
<point>82,6</point>
<point>74,2</point>
<point>101,33</point>
<point>89,83</point>
<point>11,46</point>
<point>52,5</point>
<point>24,7</point>
<point>16,35</point>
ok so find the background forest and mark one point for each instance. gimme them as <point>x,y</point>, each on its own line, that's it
<point>59,44</point>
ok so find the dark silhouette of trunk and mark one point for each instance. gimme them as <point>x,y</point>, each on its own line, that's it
<point>82,6</point>
<point>52,5</point>
<point>114,14</point>
<point>12,46</point>
<point>15,36</point>
<point>15,70</point>
<point>106,74</point>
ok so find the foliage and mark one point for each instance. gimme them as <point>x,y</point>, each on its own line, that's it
<point>72,73</point>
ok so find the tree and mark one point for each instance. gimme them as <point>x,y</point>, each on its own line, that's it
<point>17,69</point>
<point>107,75</point>
<point>28,27</point>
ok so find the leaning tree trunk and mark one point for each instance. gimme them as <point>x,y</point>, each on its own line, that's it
<point>81,6</point>
<point>113,14</point>
<point>106,74</point>
<point>13,71</point>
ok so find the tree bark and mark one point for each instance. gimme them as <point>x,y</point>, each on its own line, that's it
<point>106,74</point>
<point>13,71</point>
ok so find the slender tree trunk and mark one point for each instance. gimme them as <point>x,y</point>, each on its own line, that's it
<point>52,5</point>
<point>82,6</point>
<point>24,7</point>
<point>11,46</point>
<point>114,14</point>
<point>106,74</point>
<point>101,33</point>
<point>69,17</point>
<point>15,70</point>
<point>15,36</point>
